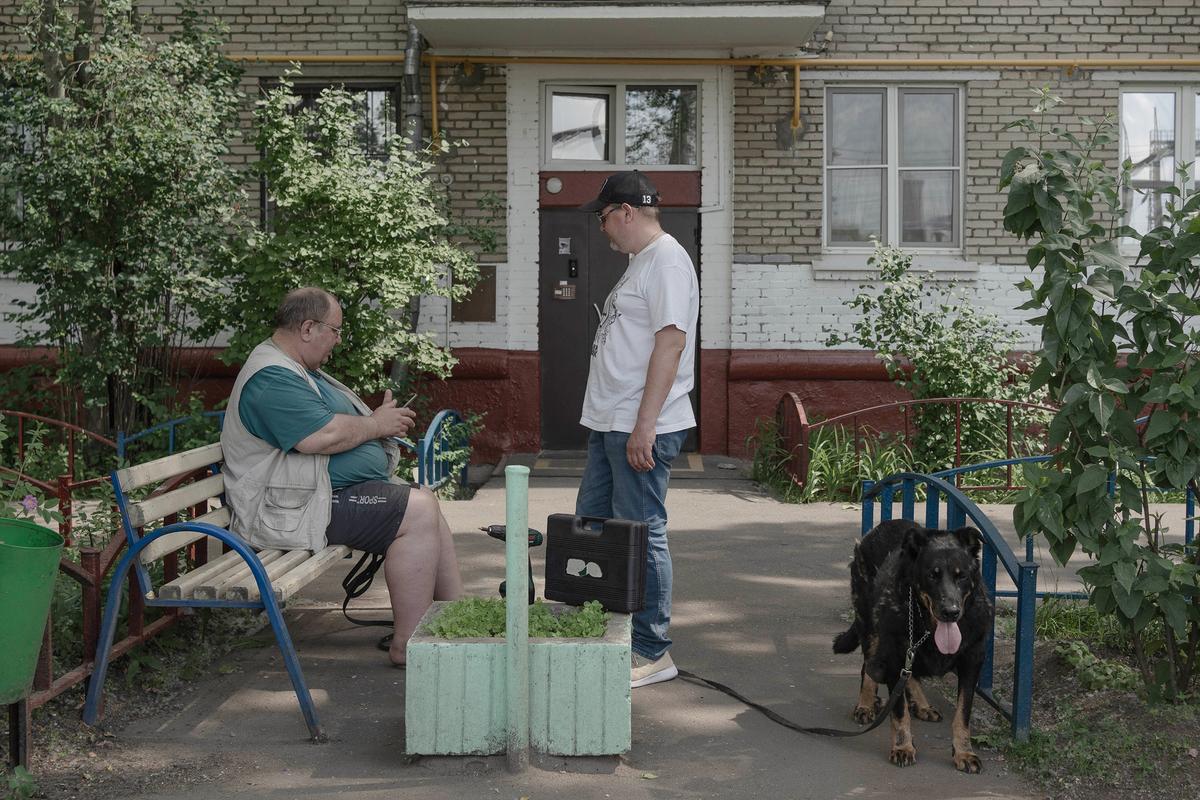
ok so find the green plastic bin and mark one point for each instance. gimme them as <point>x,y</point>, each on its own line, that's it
<point>29,557</point>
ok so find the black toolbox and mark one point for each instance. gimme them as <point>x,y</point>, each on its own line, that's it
<point>592,558</point>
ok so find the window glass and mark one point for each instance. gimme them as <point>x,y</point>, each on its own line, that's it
<point>856,205</point>
<point>579,129</point>
<point>375,110</point>
<point>660,125</point>
<point>928,128</point>
<point>857,133</point>
<point>1148,143</point>
<point>928,207</point>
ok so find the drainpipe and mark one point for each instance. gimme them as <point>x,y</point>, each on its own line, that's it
<point>412,128</point>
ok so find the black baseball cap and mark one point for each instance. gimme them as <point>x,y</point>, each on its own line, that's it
<point>630,187</point>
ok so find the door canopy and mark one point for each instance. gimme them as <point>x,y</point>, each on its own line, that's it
<point>631,29</point>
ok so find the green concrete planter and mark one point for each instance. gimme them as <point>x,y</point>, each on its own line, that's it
<point>456,695</point>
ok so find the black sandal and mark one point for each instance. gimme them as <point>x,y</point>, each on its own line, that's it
<point>385,644</point>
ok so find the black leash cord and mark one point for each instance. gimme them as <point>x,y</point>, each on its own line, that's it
<point>896,694</point>
<point>357,582</point>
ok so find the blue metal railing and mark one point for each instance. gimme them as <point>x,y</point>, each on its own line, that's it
<point>434,465</point>
<point>170,426</point>
<point>433,450</point>
<point>958,509</point>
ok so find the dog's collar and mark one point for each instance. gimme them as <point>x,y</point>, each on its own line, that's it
<point>912,646</point>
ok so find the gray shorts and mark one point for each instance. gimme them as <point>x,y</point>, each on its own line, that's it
<point>367,515</point>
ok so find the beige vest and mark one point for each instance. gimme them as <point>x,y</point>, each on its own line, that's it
<point>278,500</point>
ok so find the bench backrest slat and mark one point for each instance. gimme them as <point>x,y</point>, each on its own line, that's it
<point>169,466</point>
<point>154,508</point>
<point>177,541</point>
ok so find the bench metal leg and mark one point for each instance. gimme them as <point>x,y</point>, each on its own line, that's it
<point>112,606</point>
<point>292,661</point>
<point>108,627</point>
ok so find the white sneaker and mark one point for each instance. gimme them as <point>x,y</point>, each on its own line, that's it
<point>645,672</point>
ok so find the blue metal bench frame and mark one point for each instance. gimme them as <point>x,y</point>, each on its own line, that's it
<point>131,560</point>
<point>433,471</point>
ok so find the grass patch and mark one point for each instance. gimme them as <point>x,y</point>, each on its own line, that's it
<point>1094,736</point>
<point>477,617</point>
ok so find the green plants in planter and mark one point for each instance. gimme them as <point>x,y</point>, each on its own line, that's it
<point>475,617</point>
<point>456,692</point>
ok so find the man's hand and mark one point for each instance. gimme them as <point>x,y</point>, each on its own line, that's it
<point>639,450</point>
<point>391,419</point>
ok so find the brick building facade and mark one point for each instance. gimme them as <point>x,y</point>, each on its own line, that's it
<point>906,143</point>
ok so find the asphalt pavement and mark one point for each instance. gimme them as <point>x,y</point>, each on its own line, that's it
<point>761,587</point>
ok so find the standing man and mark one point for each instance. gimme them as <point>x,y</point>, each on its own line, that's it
<point>636,405</point>
<point>309,463</point>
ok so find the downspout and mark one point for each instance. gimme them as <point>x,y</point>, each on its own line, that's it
<point>412,128</point>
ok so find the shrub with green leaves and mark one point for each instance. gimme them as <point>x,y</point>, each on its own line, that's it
<point>1118,341</point>
<point>368,230</point>
<point>477,617</point>
<point>934,343</point>
<point>115,180</point>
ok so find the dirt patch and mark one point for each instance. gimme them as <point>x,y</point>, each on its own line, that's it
<point>72,761</point>
<point>1098,744</point>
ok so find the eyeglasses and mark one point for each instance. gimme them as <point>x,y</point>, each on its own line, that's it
<point>604,216</point>
<point>336,331</point>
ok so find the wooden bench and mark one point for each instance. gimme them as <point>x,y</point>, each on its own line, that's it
<point>190,483</point>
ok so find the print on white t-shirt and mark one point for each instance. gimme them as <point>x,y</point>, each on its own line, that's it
<point>658,289</point>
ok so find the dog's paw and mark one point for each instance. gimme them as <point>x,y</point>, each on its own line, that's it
<point>927,713</point>
<point>904,755</point>
<point>968,762</point>
<point>863,715</point>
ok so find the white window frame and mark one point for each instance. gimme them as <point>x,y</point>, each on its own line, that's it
<point>892,198</point>
<point>616,109</point>
<point>1185,131</point>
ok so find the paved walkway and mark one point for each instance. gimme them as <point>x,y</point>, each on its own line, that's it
<point>760,589</point>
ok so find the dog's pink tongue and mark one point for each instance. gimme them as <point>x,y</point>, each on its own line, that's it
<point>947,637</point>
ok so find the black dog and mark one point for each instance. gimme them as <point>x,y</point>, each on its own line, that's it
<point>906,577</point>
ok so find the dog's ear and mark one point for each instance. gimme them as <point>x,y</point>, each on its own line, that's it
<point>970,539</point>
<point>915,539</point>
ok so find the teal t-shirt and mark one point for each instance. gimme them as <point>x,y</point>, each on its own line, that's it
<point>279,407</point>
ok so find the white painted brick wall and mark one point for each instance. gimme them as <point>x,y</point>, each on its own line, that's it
<point>790,306</point>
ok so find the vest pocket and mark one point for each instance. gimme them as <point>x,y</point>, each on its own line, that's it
<point>283,509</point>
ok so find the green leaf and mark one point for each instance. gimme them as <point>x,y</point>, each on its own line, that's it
<point>1124,574</point>
<point>1175,611</point>
<point>1162,422</point>
<point>1093,477</point>
<point>1130,603</point>
<point>1102,407</point>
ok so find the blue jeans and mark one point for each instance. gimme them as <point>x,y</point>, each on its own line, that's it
<point>612,489</point>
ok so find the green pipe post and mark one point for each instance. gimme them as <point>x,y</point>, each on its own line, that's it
<point>516,576</point>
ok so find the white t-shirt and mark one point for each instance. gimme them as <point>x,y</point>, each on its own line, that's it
<point>658,289</point>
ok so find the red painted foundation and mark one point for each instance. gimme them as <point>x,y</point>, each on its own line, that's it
<point>737,387</point>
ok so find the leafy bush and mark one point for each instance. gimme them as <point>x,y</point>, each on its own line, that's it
<point>367,230</point>
<point>126,208</point>
<point>934,343</point>
<point>1116,342</point>
<point>477,617</point>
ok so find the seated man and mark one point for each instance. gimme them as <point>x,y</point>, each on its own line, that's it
<point>308,463</point>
